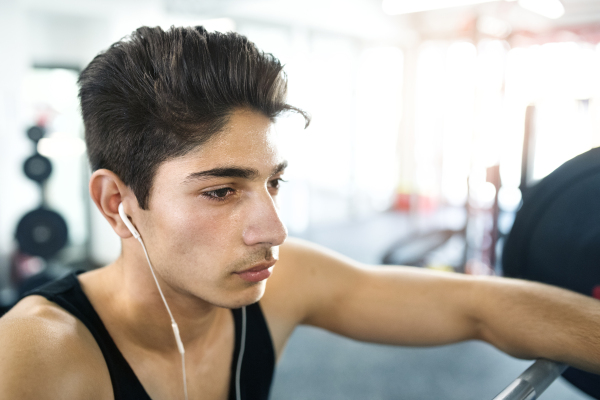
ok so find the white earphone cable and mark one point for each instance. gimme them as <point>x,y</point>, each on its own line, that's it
<point>173,323</point>
<point>185,393</point>
<point>156,280</point>
<point>238,372</point>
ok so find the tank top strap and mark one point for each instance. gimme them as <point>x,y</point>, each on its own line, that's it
<point>258,359</point>
<point>67,293</point>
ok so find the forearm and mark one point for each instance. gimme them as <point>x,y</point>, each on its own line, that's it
<point>532,320</point>
<point>404,306</point>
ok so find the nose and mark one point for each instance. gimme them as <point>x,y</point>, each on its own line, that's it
<point>264,224</point>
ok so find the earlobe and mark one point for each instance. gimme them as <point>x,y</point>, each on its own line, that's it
<point>108,191</point>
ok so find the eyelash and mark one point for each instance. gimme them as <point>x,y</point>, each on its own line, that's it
<point>213,195</point>
<point>277,182</point>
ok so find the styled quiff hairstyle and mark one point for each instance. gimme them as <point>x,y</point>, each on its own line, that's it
<point>156,95</point>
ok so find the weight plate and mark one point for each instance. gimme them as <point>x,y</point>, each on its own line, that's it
<point>37,168</point>
<point>42,233</point>
<point>555,238</point>
<point>35,133</point>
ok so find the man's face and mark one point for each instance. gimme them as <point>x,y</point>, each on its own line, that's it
<point>212,214</point>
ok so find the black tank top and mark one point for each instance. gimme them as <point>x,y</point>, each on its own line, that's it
<point>258,361</point>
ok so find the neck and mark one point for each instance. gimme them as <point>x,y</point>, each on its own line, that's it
<point>131,301</point>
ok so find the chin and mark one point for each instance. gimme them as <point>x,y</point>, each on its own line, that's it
<point>244,297</point>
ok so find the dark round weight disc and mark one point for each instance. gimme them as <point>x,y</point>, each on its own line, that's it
<point>35,133</point>
<point>42,233</point>
<point>555,238</point>
<point>37,168</point>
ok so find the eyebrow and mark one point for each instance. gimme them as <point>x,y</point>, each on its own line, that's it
<point>232,172</point>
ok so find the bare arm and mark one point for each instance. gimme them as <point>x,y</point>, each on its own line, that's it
<point>46,355</point>
<point>411,306</point>
<point>534,320</point>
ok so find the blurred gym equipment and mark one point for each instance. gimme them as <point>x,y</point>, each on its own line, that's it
<point>531,383</point>
<point>35,133</point>
<point>41,232</point>
<point>477,238</point>
<point>555,238</point>
<point>37,168</point>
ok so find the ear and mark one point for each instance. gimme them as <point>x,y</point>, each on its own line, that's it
<point>108,191</point>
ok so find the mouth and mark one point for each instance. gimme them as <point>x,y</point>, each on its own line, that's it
<point>258,272</point>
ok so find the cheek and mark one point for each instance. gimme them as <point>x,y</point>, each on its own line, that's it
<point>206,231</point>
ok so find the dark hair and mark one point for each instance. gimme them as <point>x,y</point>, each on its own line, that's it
<point>156,95</point>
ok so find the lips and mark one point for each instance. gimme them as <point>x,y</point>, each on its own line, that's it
<point>258,272</point>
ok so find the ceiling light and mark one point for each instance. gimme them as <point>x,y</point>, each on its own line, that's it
<point>395,7</point>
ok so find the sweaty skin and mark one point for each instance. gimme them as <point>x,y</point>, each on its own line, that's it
<point>213,214</point>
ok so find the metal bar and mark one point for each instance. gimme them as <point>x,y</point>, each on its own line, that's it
<point>531,383</point>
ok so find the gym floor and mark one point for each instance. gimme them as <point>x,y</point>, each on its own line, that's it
<point>319,365</point>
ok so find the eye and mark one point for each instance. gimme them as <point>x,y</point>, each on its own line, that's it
<point>276,183</point>
<point>219,194</point>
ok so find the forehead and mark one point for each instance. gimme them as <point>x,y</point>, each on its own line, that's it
<point>248,140</point>
<point>247,135</point>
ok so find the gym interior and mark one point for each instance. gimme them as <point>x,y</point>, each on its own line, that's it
<point>457,135</point>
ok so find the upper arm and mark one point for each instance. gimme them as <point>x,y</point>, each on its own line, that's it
<point>396,305</point>
<point>46,353</point>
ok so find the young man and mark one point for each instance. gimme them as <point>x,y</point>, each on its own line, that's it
<point>179,132</point>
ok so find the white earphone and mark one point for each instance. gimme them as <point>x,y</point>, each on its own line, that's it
<point>128,223</point>
<point>180,348</point>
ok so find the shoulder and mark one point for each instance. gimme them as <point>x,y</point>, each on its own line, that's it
<point>47,352</point>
